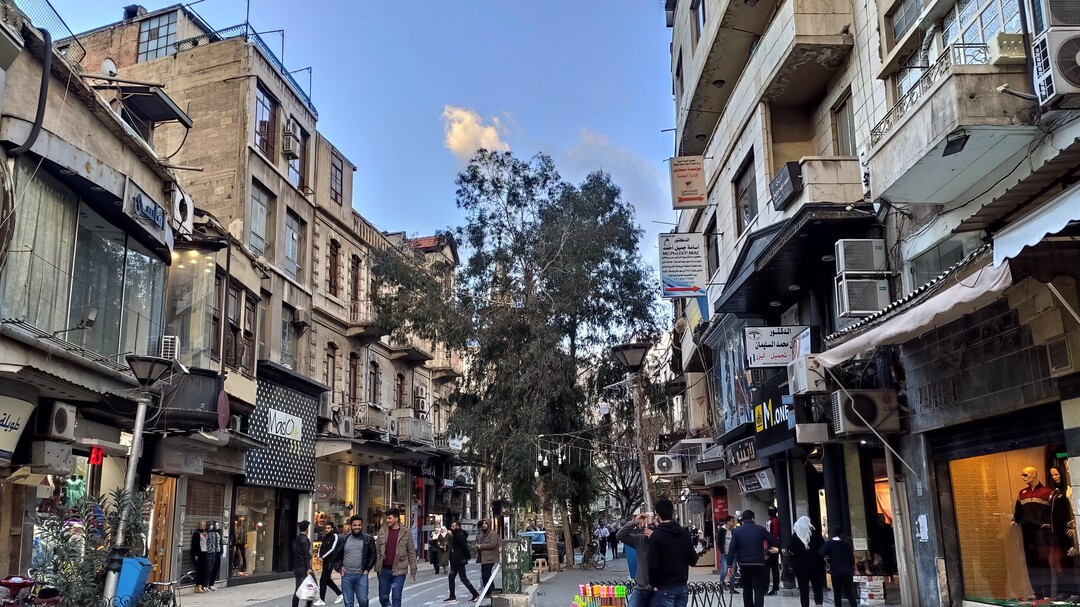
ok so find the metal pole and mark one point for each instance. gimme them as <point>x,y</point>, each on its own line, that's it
<point>116,557</point>
<point>639,404</point>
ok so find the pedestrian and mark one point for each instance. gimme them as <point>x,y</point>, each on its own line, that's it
<point>613,541</point>
<point>747,548</point>
<point>440,550</point>
<point>601,534</point>
<point>301,559</point>
<point>487,544</point>
<point>330,555</point>
<point>396,557</point>
<point>841,557</point>
<point>723,539</point>
<point>806,561</point>
<point>671,554</point>
<point>773,560</point>
<point>358,555</point>
<point>632,534</point>
<point>459,558</point>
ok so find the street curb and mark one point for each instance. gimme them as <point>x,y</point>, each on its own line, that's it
<point>532,588</point>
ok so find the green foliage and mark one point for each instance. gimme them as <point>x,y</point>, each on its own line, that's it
<point>81,539</point>
<point>550,278</point>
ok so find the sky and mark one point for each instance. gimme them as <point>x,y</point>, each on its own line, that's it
<point>408,90</point>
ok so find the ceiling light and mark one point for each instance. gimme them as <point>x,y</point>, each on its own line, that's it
<point>793,287</point>
<point>828,258</point>
<point>719,82</point>
<point>700,136</point>
<point>774,304</point>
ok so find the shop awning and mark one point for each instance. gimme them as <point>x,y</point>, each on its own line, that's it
<point>1030,230</point>
<point>943,300</point>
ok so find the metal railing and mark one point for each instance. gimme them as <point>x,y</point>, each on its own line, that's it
<point>370,417</point>
<point>442,441</point>
<point>361,312</point>
<point>956,54</point>
<point>248,33</point>
<point>415,430</point>
<point>42,14</point>
<point>411,342</point>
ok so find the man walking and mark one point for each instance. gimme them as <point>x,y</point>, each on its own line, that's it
<point>671,554</point>
<point>301,559</point>
<point>841,558</point>
<point>723,540</point>
<point>602,534</point>
<point>396,557</point>
<point>487,543</point>
<point>459,558</point>
<point>773,560</point>
<point>357,560</point>
<point>330,555</point>
<point>613,541</point>
<point>633,534</point>
<point>747,548</point>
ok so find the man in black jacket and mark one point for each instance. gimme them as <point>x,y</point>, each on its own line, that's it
<point>633,535</point>
<point>671,554</point>
<point>841,558</point>
<point>358,556</point>
<point>301,559</point>
<point>747,547</point>
<point>459,557</point>
<point>330,554</point>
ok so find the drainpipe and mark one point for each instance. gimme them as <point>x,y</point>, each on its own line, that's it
<point>1029,61</point>
<point>43,95</point>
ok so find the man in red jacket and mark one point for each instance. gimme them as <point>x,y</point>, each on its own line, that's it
<point>773,560</point>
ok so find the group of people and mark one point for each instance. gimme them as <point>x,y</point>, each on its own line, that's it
<point>449,552</point>
<point>607,536</point>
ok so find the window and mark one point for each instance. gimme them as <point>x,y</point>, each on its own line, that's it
<point>189,304</point>
<point>844,127</point>
<point>354,272</point>
<point>931,264</point>
<point>262,219</point>
<point>678,83</point>
<point>298,165</point>
<point>233,338</point>
<point>904,17</point>
<point>157,37</point>
<point>399,391</point>
<point>288,338</point>
<point>354,377</point>
<point>247,339</point>
<point>215,316</point>
<point>912,68</point>
<point>264,352</point>
<point>712,246</point>
<point>336,178</point>
<point>265,122</point>
<point>333,281</point>
<point>330,367</point>
<point>698,20</point>
<point>973,22</point>
<point>294,244</point>
<point>746,195</point>
<point>374,388</point>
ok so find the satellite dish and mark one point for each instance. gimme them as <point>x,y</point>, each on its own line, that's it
<point>108,67</point>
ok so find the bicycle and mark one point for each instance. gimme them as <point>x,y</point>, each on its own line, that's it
<point>166,594</point>
<point>591,558</point>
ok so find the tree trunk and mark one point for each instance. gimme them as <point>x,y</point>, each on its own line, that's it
<point>568,535</point>
<point>547,509</point>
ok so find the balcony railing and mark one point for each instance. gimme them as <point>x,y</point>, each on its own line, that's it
<point>446,442</point>
<point>411,349</point>
<point>957,54</point>
<point>361,312</point>
<point>415,430</point>
<point>370,417</point>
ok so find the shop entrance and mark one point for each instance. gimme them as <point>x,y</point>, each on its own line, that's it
<point>286,530</point>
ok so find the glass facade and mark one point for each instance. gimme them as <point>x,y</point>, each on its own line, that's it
<point>335,493</point>
<point>254,527</point>
<point>387,489</point>
<point>191,306</point>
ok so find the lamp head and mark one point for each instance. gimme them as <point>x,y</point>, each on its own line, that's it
<point>148,369</point>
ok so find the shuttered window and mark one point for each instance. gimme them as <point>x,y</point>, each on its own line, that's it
<point>205,502</point>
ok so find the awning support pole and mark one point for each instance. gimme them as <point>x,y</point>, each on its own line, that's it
<point>1064,303</point>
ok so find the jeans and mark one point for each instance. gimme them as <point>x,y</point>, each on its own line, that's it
<point>354,586</point>
<point>300,575</point>
<point>671,596</point>
<point>841,585</point>
<point>390,587</point>
<point>640,597</point>
<point>755,583</point>
<point>326,581</point>
<point>723,568</point>
<point>458,570</point>
<point>485,574</point>
<point>805,582</point>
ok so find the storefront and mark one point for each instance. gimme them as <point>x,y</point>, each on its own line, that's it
<point>388,488</point>
<point>336,491</point>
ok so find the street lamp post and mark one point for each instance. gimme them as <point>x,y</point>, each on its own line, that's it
<point>148,370</point>
<point>632,356</point>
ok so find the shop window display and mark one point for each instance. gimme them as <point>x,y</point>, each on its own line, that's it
<point>1016,526</point>
<point>335,494</point>
<point>253,527</point>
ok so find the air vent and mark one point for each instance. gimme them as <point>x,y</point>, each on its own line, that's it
<point>1064,12</point>
<point>1059,352</point>
<point>1068,60</point>
<point>170,346</point>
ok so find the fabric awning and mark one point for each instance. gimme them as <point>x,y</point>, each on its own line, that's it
<point>963,297</point>
<point>1030,230</point>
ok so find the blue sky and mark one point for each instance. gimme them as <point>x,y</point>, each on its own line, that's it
<point>408,89</point>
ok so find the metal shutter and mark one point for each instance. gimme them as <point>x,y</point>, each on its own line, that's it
<point>205,502</point>
<point>1030,427</point>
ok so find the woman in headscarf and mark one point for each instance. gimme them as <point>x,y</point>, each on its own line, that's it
<point>440,549</point>
<point>806,562</point>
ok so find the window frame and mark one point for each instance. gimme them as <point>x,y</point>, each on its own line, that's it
<point>746,172</point>
<point>216,325</point>
<point>354,377</point>
<point>288,338</point>
<point>843,117</point>
<point>262,200</point>
<point>266,106</point>
<point>330,367</point>
<point>356,269</point>
<point>399,391</point>
<point>161,49</point>
<point>298,167</point>
<point>337,178</point>
<point>697,21</point>
<point>294,245</point>
<point>333,273</point>
<point>712,247</point>
<point>374,388</point>
<point>909,11</point>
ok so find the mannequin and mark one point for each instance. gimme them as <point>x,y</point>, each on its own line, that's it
<point>199,554</point>
<point>213,543</point>
<point>1032,514</point>
<point>75,491</point>
<point>1062,542</point>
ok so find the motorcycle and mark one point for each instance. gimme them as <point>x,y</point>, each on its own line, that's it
<point>26,591</point>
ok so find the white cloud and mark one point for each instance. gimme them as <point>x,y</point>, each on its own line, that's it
<point>465,132</point>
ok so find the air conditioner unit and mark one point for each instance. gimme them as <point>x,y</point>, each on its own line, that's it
<point>57,422</point>
<point>1063,354</point>
<point>326,405</point>
<point>290,142</point>
<point>1006,48</point>
<point>302,317</point>
<point>346,427</point>
<point>878,407</point>
<point>667,464</point>
<point>1046,14</point>
<point>234,423</point>
<point>1057,66</point>
<point>805,375</point>
<point>183,212</point>
<point>170,346</point>
<point>862,297</point>
<point>860,255</point>
<point>391,426</point>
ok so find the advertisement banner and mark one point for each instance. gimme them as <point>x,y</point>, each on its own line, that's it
<point>688,188</point>
<point>684,267</point>
<point>770,346</point>
<point>14,415</point>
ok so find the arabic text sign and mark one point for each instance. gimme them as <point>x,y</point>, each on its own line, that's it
<point>684,268</point>
<point>688,190</point>
<point>14,413</point>
<point>770,346</point>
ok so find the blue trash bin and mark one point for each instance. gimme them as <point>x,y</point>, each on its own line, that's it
<point>133,576</point>
<point>631,559</point>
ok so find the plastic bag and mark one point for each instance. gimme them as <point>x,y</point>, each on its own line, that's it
<point>308,590</point>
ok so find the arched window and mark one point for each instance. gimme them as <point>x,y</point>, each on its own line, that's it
<point>333,281</point>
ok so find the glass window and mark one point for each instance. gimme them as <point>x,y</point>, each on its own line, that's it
<point>399,391</point>
<point>157,37</point>
<point>975,22</point>
<point>190,307</point>
<point>844,121</point>
<point>294,243</point>
<point>265,122</point>
<point>374,391</point>
<point>247,352</point>
<point>937,260</point>
<point>913,68</point>
<point>298,165</point>
<point>264,352</point>
<point>354,377</point>
<point>378,499</point>
<point>332,273</point>
<point>288,338</point>
<point>712,246</point>
<point>335,495</point>
<point>215,313</point>
<point>144,302</point>
<point>354,271</point>
<point>254,526</point>
<point>262,219</point>
<point>698,20</point>
<point>336,178</point>
<point>904,17</point>
<point>678,82</point>
<point>330,367</point>
<point>98,283</point>
<point>746,195</point>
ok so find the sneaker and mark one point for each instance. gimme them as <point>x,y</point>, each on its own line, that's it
<point>450,599</point>
<point>340,599</point>
<point>213,588</point>
<point>319,603</point>
<point>474,597</point>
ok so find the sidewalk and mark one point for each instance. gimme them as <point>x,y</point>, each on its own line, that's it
<point>239,595</point>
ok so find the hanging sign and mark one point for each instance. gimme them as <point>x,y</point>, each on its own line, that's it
<point>684,269</point>
<point>688,189</point>
<point>770,346</point>
<point>283,425</point>
<point>14,414</point>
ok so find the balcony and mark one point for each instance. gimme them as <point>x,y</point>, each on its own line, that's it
<point>791,65</point>
<point>447,443</point>
<point>361,319</point>
<point>410,350</point>
<point>956,97</point>
<point>370,417</point>
<point>413,430</point>
<point>447,365</point>
<point>814,179</point>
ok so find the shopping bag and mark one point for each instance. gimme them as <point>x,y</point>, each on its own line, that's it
<point>308,590</point>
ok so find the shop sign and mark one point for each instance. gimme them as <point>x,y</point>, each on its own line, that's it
<point>283,425</point>
<point>688,188</point>
<point>142,207</point>
<point>741,456</point>
<point>225,460</point>
<point>14,413</point>
<point>455,442</point>
<point>684,267</point>
<point>179,461</point>
<point>774,412</point>
<point>770,346</point>
<point>761,480</point>
<point>786,185</point>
